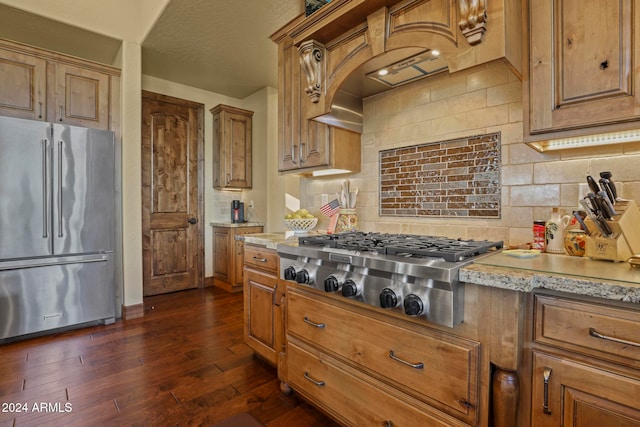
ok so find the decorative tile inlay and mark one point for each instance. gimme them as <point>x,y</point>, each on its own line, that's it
<point>454,178</point>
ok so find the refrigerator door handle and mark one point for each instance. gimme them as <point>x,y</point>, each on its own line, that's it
<point>45,262</point>
<point>60,234</point>
<point>45,192</point>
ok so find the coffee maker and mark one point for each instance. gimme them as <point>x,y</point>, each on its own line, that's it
<point>237,211</point>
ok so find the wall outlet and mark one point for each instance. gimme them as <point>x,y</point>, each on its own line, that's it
<point>583,190</point>
<point>251,204</point>
<point>325,199</point>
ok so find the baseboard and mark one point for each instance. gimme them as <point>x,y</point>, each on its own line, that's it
<point>132,311</point>
<point>208,282</point>
<point>226,286</point>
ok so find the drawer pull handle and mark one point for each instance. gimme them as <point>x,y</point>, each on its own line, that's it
<point>312,323</point>
<point>255,258</point>
<point>419,365</point>
<point>387,423</point>
<point>546,375</point>
<point>316,382</point>
<point>597,334</point>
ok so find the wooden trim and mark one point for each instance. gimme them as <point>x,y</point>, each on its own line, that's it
<point>207,282</point>
<point>59,57</point>
<point>132,311</point>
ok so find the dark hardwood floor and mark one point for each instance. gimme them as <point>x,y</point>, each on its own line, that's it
<point>184,363</point>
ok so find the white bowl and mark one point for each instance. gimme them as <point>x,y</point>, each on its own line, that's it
<point>301,225</point>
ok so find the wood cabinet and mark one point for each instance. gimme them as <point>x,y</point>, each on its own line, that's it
<point>264,301</point>
<point>41,85</point>
<point>585,363</point>
<point>339,354</point>
<point>583,68</point>
<point>232,147</point>
<point>228,256</point>
<point>306,145</point>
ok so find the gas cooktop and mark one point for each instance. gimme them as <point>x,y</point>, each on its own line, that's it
<point>403,245</point>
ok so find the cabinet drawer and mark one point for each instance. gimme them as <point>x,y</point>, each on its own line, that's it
<point>610,333</point>
<point>410,358</point>
<point>353,400</point>
<point>261,258</point>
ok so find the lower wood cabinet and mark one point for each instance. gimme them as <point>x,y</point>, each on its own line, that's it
<point>567,393</point>
<point>585,363</point>
<point>353,398</point>
<point>263,303</point>
<point>430,376</point>
<point>228,256</point>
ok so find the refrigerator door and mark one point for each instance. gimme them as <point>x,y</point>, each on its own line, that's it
<point>83,190</point>
<point>45,294</point>
<point>25,188</point>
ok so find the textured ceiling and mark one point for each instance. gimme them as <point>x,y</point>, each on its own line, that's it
<point>221,46</point>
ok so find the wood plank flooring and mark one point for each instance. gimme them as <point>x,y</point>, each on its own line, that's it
<point>184,363</point>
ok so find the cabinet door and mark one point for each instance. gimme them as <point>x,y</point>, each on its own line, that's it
<point>580,395</point>
<point>289,114</point>
<point>23,85</point>
<point>237,150</point>
<point>81,97</point>
<point>221,248</point>
<point>260,299</point>
<point>583,69</point>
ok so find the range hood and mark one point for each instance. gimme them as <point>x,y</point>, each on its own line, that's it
<point>378,75</point>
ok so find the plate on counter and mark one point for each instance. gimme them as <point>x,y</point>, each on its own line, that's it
<point>522,253</point>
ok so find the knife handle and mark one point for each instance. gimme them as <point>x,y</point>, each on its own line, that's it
<point>606,204</point>
<point>605,184</point>
<point>593,185</point>
<point>580,219</point>
<point>608,175</point>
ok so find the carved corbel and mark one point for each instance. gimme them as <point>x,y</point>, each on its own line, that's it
<point>312,61</point>
<point>473,19</point>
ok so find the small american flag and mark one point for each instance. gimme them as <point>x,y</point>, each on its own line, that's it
<point>331,208</point>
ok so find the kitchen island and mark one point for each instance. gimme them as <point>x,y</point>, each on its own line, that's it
<point>532,328</point>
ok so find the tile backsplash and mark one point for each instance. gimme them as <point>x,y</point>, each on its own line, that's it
<point>454,178</point>
<point>486,99</point>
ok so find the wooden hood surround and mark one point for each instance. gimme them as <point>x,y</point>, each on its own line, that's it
<point>343,35</point>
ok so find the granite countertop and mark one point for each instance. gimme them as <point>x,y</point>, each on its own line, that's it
<point>271,240</point>
<point>236,224</point>
<point>577,275</point>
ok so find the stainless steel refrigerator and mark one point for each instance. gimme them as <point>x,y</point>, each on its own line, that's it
<point>57,227</point>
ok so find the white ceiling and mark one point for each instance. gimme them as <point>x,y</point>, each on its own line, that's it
<point>221,46</point>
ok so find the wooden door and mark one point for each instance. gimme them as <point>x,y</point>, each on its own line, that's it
<point>81,97</point>
<point>23,85</point>
<point>172,193</point>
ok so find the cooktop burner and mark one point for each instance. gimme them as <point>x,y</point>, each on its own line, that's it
<point>403,245</point>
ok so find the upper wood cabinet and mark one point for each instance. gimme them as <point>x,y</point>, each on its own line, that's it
<point>231,147</point>
<point>583,70</point>
<point>23,85</point>
<point>40,85</point>
<point>306,145</point>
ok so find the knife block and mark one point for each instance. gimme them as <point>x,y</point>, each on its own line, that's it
<point>625,240</point>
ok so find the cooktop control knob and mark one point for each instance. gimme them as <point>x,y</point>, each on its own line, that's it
<point>302,276</point>
<point>388,298</point>
<point>290,273</point>
<point>413,305</point>
<point>349,288</point>
<point>331,284</point>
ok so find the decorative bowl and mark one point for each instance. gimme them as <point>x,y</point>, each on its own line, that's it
<point>301,225</point>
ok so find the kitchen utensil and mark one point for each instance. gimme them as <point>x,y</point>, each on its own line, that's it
<point>608,175</point>
<point>597,219</point>
<point>606,204</point>
<point>593,185</point>
<point>605,184</point>
<point>580,219</point>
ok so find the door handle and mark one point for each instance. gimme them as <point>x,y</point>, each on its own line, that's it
<point>192,220</point>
